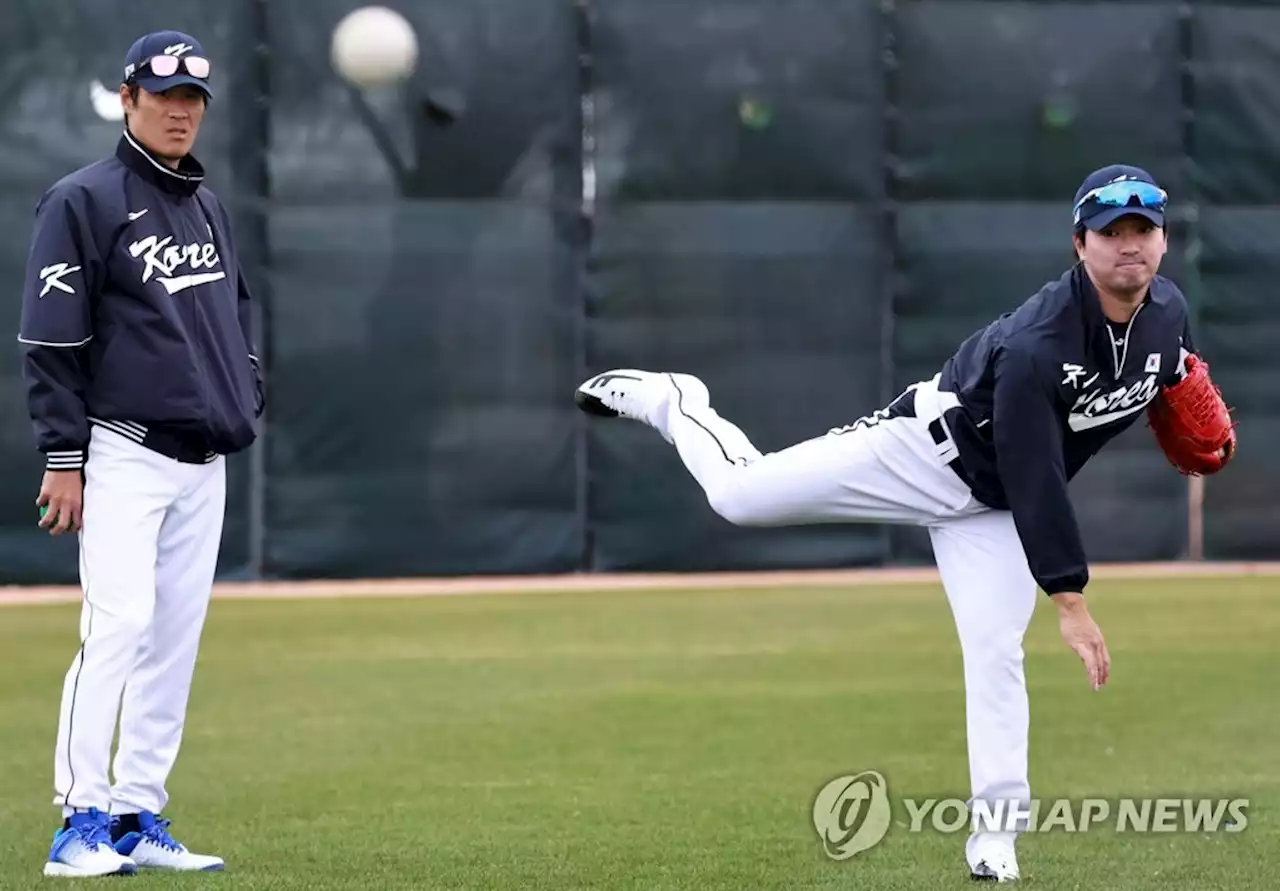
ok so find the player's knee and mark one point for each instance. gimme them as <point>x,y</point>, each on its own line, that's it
<point>132,620</point>
<point>993,654</point>
<point>729,502</point>
<point>130,624</point>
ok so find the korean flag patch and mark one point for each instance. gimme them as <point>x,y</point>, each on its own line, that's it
<point>1153,363</point>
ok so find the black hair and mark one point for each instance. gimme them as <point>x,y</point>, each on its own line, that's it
<point>133,97</point>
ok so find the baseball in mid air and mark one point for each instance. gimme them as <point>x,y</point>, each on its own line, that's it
<point>374,46</point>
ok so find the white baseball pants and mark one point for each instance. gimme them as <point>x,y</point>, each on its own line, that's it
<point>887,469</point>
<point>148,552</point>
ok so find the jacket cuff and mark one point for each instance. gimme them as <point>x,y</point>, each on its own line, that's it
<point>66,459</point>
<point>1074,585</point>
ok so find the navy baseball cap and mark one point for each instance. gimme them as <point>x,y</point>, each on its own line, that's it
<point>1115,191</point>
<point>163,60</point>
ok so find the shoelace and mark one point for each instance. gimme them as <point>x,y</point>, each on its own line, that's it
<point>159,835</point>
<point>94,834</point>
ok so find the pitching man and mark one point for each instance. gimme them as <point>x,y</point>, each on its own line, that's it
<point>981,456</point>
<point>141,376</point>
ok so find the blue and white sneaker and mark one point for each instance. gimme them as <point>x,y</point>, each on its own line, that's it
<point>84,849</point>
<point>152,847</point>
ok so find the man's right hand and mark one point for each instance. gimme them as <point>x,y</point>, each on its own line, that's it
<point>62,491</point>
<point>1084,636</point>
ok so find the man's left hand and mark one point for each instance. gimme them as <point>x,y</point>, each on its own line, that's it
<point>1084,636</point>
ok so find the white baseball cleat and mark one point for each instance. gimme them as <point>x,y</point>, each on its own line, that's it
<point>991,857</point>
<point>639,395</point>
<point>152,847</point>
<point>83,850</point>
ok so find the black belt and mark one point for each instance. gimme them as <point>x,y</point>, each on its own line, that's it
<point>177,446</point>
<point>904,406</point>
<point>940,435</point>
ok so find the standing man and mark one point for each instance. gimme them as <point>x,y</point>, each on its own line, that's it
<point>981,456</point>
<point>141,376</point>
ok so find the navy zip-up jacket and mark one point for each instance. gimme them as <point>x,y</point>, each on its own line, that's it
<point>1042,390</point>
<point>135,315</point>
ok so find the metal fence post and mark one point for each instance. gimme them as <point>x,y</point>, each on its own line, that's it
<point>889,218</point>
<point>581,321</point>
<point>1189,217</point>
<point>250,146</point>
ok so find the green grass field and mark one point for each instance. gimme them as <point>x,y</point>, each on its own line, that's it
<point>665,740</point>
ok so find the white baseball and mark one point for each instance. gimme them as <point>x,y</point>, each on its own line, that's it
<point>374,46</point>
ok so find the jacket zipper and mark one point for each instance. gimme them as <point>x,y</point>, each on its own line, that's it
<point>198,325</point>
<point>1119,358</point>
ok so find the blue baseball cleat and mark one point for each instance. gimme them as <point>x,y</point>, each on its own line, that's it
<point>84,850</point>
<point>152,847</point>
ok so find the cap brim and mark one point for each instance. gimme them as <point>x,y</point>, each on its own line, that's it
<point>1106,217</point>
<point>160,84</point>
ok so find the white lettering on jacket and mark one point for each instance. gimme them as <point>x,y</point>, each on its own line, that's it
<point>1096,408</point>
<point>166,259</point>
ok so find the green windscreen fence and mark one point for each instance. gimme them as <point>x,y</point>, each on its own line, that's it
<point>807,203</point>
<point>425,307</point>
<point>1237,150</point>
<point>737,235</point>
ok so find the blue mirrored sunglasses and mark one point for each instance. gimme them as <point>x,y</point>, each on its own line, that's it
<point>1123,194</point>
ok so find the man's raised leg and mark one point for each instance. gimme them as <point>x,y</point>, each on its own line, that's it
<point>881,472</point>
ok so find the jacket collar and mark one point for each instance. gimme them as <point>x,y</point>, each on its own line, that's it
<point>183,181</point>
<point>1083,288</point>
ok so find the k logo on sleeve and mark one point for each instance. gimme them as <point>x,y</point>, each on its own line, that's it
<point>53,276</point>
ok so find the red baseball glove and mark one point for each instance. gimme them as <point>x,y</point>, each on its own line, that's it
<point>1192,423</point>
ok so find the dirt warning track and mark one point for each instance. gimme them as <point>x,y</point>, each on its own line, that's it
<point>470,585</point>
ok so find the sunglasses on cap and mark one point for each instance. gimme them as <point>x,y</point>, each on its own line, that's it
<point>167,66</point>
<point>1123,194</point>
